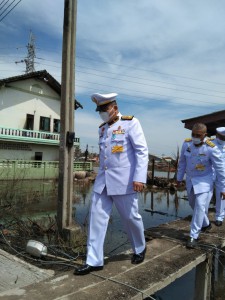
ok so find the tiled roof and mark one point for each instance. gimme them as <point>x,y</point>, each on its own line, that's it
<point>41,75</point>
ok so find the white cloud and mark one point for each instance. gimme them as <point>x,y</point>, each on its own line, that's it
<point>164,58</point>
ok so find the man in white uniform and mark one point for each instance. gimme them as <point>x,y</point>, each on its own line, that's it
<point>220,204</point>
<point>198,158</point>
<point>122,173</point>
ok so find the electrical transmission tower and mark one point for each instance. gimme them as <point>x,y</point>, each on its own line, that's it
<point>29,60</point>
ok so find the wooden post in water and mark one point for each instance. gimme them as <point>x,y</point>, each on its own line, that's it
<point>168,175</point>
<point>153,169</point>
<point>203,279</point>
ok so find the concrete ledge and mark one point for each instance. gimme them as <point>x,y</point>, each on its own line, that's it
<point>166,260</point>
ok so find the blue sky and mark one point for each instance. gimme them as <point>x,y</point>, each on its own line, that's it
<point>165,59</point>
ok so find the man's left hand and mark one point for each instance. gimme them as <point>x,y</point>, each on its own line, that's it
<point>139,186</point>
<point>223,195</point>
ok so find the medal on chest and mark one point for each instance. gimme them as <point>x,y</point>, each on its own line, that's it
<point>116,137</point>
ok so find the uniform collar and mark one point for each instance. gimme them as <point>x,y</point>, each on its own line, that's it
<point>115,119</point>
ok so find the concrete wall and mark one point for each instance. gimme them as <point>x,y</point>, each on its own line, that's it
<point>26,151</point>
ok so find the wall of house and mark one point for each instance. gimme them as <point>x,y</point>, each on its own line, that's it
<point>26,151</point>
<point>24,97</point>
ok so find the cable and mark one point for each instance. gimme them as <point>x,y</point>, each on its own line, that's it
<point>11,10</point>
<point>147,84</point>
<point>4,4</point>
<point>157,86</point>
<point>0,5</point>
<point>175,84</point>
<point>135,77</point>
<point>167,74</point>
<point>7,8</point>
<point>161,95</point>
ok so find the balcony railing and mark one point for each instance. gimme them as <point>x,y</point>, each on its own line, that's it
<point>32,136</point>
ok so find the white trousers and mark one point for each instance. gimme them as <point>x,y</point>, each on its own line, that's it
<point>200,205</point>
<point>220,205</point>
<point>101,208</point>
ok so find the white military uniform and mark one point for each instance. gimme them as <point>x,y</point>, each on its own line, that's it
<point>220,204</point>
<point>198,163</point>
<point>123,160</point>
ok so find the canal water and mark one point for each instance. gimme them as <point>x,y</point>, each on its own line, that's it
<point>36,199</point>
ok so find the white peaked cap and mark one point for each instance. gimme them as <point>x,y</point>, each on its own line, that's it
<point>103,99</point>
<point>221,130</point>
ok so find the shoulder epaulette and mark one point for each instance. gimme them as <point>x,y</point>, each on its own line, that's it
<point>102,124</point>
<point>209,143</point>
<point>127,118</point>
<point>188,140</point>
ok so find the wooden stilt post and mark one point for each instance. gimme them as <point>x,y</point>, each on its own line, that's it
<point>203,279</point>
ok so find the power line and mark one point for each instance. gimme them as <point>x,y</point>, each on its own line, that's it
<point>152,80</point>
<point>158,86</point>
<point>4,4</point>
<point>10,9</point>
<point>167,74</point>
<point>147,84</point>
<point>7,8</point>
<point>161,95</point>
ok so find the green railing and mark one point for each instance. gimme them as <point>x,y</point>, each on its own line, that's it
<point>33,169</point>
<point>31,136</point>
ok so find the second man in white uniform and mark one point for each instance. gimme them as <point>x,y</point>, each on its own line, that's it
<point>198,158</point>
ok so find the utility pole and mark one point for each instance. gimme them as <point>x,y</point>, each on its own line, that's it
<point>66,147</point>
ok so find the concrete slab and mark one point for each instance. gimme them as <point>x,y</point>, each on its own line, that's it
<point>16,273</point>
<point>166,260</point>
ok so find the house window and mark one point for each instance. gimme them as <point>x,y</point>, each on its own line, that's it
<point>38,155</point>
<point>36,88</point>
<point>44,124</point>
<point>56,125</point>
<point>29,122</point>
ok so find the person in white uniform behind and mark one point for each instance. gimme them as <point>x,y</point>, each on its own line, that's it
<point>198,158</point>
<point>122,173</point>
<point>219,141</point>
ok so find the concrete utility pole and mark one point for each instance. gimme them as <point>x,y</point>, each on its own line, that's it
<point>66,147</point>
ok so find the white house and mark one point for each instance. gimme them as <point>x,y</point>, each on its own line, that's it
<point>30,117</point>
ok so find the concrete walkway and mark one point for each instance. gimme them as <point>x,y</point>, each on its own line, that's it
<point>166,260</point>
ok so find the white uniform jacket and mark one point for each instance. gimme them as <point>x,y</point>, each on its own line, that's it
<point>123,156</point>
<point>198,164</point>
<point>222,150</point>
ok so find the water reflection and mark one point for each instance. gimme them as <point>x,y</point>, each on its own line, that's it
<point>156,207</point>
